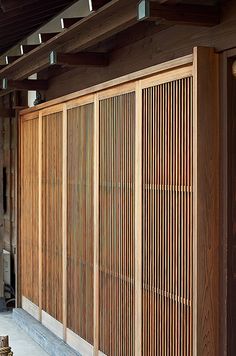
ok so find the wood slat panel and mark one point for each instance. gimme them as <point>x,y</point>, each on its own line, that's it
<point>116,250</point>
<point>80,253</point>
<point>52,214</point>
<point>167,219</point>
<point>29,210</point>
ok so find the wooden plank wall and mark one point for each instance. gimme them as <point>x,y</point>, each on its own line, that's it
<point>131,245</point>
<point>80,221</point>
<point>29,215</point>
<point>52,214</point>
<point>167,218</point>
<point>116,202</point>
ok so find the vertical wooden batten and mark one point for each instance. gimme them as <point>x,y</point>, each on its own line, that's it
<point>40,142</point>
<point>64,219</point>
<point>138,222</point>
<point>206,203</point>
<point>96,225</point>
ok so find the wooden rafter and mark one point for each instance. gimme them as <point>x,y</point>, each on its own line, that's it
<point>44,37</point>
<point>11,59</point>
<point>77,59</point>
<point>68,22</point>
<point>96,4</point>
<point>27,48</point>
<point>27,84</point>
<point>198,15</point>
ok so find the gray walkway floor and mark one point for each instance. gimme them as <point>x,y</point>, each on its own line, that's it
<point>20,342</point>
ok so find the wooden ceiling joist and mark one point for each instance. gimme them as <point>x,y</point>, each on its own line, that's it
<point>11,59</point>
<point>78,59</point>
<point>27,84</point>
<point>27,48</point>
<point>82,36</point>
<point>44,37</point>
<point>197,15</point>
<point>68,22</point>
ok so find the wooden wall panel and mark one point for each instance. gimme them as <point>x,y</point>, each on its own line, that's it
<point>116,209</point>
<point>167,219</point>
<point>80,221</point>
<point>29,210</point>
<point>52,214</point>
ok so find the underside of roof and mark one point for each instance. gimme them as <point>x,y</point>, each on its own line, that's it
<point>20,18</point>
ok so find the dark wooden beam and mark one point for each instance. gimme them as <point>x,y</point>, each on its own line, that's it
<point>11,59</point>
<point>45,37</point>
<point>27,48</point>
<point>68,22</point>
<point>94,5</point>
<point>82,36</point>
<point>26,84</point>
<point>198,15</point>
<point>2,66</point>
<point>78,59</point>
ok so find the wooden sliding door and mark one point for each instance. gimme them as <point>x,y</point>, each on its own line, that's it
<point>29,183</point>
<point>80,232</point>
<point>167,237</point>
<point>119,213</point>
<point>116,224</point>
<point>52,214</point>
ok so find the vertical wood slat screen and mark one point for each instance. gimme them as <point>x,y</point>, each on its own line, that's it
<point>80,221</point>
<point>52,214</point>
<point>29,214</point>
<point>167,219</point>
<point>116,240</point>
<point>104,284</point>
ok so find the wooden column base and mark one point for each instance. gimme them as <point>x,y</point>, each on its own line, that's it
<point>5,350</point>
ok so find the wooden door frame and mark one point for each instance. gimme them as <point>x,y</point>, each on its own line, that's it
<point>228,169</point>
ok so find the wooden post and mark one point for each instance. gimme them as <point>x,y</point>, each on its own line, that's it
<point>2,301</point>
<point>64,220</point>
<point>40,122</point>
<point>1,271</point>
<point>206,189</point>
<point>5,350</point>
<point>96,226</point>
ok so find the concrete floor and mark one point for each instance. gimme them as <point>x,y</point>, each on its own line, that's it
<point>21,344</point>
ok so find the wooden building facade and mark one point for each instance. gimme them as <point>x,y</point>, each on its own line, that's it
<point>126,186</point>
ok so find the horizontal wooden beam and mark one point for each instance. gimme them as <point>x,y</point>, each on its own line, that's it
<point>27,84</point>
<point>45,37</point>
<point>11,59</point>
<point>78,59</point>
<point>27,48</point>
<point>82,36</point>
<point>68,22</point>
<point>198,15</point>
